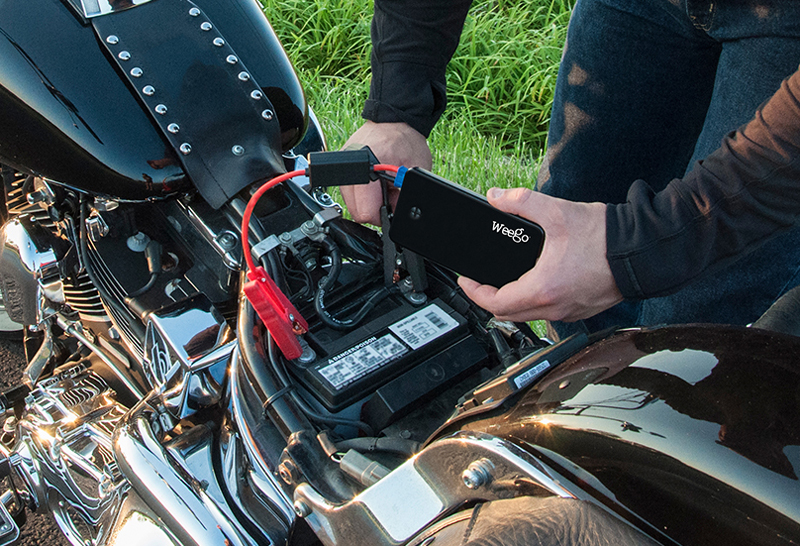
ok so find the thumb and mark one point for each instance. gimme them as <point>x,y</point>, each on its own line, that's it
<point>519,201</point>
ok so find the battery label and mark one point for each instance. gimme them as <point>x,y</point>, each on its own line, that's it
<point>424,326</point>
<point>361,360</point>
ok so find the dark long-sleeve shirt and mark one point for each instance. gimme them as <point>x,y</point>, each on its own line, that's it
<point>412,42</point>
<point>729,204</point>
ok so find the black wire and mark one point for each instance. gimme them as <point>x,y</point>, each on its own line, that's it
<point>145,288</point>
<point>329,281</point>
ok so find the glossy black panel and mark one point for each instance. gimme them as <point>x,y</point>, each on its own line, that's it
<point>244,25</point>
<point>66,115</point>
<point>696,429</point>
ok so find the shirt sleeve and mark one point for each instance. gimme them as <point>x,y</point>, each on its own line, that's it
<point>412,42</point>
<point>729,204</point>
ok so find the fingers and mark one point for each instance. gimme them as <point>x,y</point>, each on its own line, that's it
<point>514,301</point>
<point>392,143</point>
<point>364,202</point>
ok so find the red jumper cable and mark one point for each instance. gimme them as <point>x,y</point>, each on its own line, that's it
<point>277,313</point>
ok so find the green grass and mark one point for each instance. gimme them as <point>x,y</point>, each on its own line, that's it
<point>500,81</point>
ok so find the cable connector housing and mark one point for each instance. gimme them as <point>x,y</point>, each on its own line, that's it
<point>277,313</point>
<point>342,168</point>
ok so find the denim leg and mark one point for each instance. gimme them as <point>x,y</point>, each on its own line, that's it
<point>631,95</point>
<point>750,70</point>
<point>644,89</point>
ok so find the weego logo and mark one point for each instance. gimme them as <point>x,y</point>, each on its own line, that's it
<point>517,235</point>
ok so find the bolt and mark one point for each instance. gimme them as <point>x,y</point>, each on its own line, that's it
<point>301,509</point>
<point>309,227</point>
<point>478,473</point>
<point>288,472</point>
<point>308,355</point>
<point>227,240</point>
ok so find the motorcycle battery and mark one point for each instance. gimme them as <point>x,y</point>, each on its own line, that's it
<point>351,365</point>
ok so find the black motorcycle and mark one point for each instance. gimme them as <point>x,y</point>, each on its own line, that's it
<point>216,356</point>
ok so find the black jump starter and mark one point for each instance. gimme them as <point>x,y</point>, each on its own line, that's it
<point>459,229</point>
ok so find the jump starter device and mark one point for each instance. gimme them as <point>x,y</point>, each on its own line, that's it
<point>458,229</point>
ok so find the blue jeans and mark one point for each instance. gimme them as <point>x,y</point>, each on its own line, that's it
<point>645,89</point>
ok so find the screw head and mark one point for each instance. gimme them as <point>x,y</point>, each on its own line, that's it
<point>267,115</point>
<point>478,473</point>
<point>149,90</point>
<point>186,148</point>
<point>232,59</point>
<point>112,39</point>
<point>227,240</point>
<point>194,12</point>
<point>124,56</point>
<point>244,76</point>
<point>206,26</point>
<point>161,109</point>
<point>136,72</point>
<point>219,42</point>
<point>238,150</point>
<point>256,94</point>
<point>301,509</point>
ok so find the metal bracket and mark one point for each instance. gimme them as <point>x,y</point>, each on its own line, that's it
<point>446,475</point>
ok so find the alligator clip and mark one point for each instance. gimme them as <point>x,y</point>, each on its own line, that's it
<point>280,317</point>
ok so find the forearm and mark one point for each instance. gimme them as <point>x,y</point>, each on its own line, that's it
<point>729,204</point>
<point>413,40</point>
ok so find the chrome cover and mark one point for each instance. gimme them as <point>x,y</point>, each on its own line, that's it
<point>189,507</point>
<point>186,354</point>
<point>64,453</point>
<point>446,475</point>
<point>30,270</point>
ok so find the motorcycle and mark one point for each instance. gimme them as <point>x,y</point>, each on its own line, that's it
<point>216,356</point>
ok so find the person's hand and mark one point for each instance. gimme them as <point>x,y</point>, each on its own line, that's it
<point>572,279</point>
<point>393,144</point>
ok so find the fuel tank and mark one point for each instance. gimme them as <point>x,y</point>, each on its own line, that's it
<point>69,111</point>
<point>695,429</point>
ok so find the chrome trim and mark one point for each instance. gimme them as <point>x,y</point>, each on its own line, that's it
<point>29,267</point>
<point>96,8</point>
<point>138,528</point>
<point>186,356</point>
<point>184,506</point>
<point>63,454</point>
<point>426,487</point>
